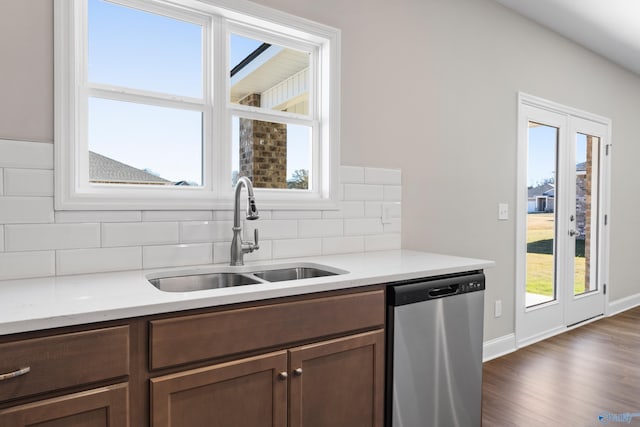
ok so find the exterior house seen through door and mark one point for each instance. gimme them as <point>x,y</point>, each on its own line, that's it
<point>562,233</point>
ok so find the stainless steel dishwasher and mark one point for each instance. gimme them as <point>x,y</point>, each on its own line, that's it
<point>434,351</point>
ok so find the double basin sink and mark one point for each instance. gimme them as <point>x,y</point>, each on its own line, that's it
<point>198,281</point>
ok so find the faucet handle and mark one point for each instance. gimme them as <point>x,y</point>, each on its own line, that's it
<point>248,247</point>
<point>256,246</point>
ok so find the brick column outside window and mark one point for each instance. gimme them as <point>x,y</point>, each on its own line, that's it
<point>263,149</point>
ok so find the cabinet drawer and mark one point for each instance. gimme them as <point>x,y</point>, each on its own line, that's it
<point>62,361</point>
<point>105,406</point>
<point>199,337</point>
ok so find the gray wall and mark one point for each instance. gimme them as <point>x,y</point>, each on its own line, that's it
<point>26,70</point>
<point>428,86</point>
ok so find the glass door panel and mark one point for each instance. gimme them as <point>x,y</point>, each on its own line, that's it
<point>562,240</point>
<point>586,216</point>
<point>542,157</point>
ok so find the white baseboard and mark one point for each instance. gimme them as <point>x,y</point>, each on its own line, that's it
<point>627,303</point>
<point>498,347</point>
<point>506,344</point>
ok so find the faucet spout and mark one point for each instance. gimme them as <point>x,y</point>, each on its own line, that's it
<point>239,247</point>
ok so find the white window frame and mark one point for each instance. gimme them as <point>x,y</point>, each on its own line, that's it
<point>219,18</point>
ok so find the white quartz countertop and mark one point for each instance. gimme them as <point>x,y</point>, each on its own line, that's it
<point>35,304</point>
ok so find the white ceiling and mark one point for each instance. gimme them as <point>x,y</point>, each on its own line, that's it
<point>608,27</point>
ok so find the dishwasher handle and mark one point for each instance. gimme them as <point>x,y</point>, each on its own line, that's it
<point>443,291</point>
<point>418,290</point>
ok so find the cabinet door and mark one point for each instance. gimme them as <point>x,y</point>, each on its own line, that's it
<point>338,382</point>
<point>250,393</point>
<point>101,407</point>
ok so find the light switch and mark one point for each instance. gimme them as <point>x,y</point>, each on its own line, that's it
<point>503,211</point>
<point>390,211</point>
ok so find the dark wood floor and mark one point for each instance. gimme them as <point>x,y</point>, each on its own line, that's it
<point>568,380</point>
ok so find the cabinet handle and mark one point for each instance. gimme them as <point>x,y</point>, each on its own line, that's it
<point>17,373</point>
<point>283,375</point>
<point>297,372</point>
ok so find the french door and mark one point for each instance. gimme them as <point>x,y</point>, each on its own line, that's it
<point>562,238</point>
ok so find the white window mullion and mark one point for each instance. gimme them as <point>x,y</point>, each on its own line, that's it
<point>221,134</point>
<point>257,114</point>
<point>141,97</point>
<point>209,119</point>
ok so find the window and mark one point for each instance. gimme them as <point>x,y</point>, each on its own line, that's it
<point>162,105</point>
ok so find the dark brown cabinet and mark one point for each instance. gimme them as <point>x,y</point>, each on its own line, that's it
<point>249,392</point>
<point>312,381</point>
<point>338,382</point>
<point>330,383</point>
<point>100,407</point>
<point>55,363</point>
<point>304,361</point>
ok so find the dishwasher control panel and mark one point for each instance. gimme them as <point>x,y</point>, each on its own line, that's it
<point>412,291</point>
<point>476,285</point>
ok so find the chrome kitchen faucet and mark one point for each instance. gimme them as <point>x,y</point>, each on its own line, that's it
<point>238,247</point>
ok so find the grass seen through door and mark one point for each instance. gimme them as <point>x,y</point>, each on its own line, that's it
<point>540,245</point>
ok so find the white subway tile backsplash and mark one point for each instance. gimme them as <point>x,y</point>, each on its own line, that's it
<point>97,216</point>
<point>350,209</point>
<point>26,210</point>
<point>221,252</point>
<point>382,176</point>
<point>351,174</point>
<point>297,248</point>
<point>223,215</point>
<point>228,215</point>
<point>382,242</point>
<point>26,155</point>
<point>363,192</point>
<point>28,182</point>
<point>392,226</point>
<point>18,265</point>
<point>373,209</point>
<point>34,237</point>
<point>393,209</point>
<point>139,233</point>
<point>392,193</point>
<point>271,229</point>
<point>177,216</point>
<point>206,231</point>
<point>99,260</point>
<point>296,215</point>
<point>320,227</point>
<point>342,245</point>
<point>362,226</point>
<point>177,255</point>
<point>264,214</point>
<point>36,241</point>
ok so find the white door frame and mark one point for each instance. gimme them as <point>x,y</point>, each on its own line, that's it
<point>543,321</point>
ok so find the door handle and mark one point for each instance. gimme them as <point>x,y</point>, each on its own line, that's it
<point>573,233</point>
